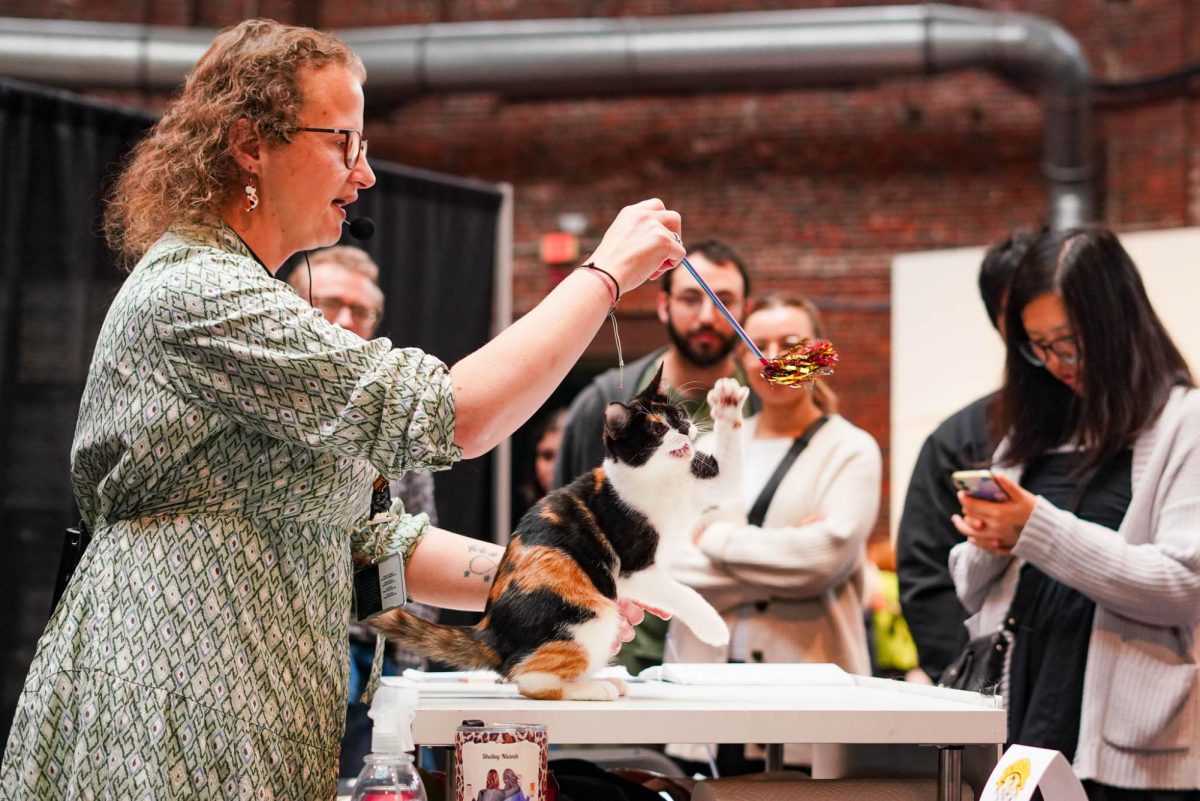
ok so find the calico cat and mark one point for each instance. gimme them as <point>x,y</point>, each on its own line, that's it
<point>551,616</point>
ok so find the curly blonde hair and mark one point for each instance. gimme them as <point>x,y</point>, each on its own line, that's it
<point>184,168</point>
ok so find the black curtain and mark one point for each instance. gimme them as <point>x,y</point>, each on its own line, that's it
<point>435,243</point>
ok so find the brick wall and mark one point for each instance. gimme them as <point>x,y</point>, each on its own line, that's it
<point>819,188</point>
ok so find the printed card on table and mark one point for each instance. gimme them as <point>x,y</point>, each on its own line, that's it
<point>1023,769</point>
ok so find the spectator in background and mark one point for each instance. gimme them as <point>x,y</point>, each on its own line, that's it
<point>700,350</point>
<point>345,287</point>
<point>547,435</point>
<point>1101,425</point>
<point>785,569</point>
<point>926,535</point>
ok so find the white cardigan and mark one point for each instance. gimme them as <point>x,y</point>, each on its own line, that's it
<point>792,593</point>
<point>1140,723</point>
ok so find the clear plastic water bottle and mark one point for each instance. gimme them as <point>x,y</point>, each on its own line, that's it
<point>388,777</point>
<point>389,773</point>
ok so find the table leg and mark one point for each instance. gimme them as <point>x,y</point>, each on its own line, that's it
<point>774,756</point>
<point>451,771</point>
<point>949,773</point>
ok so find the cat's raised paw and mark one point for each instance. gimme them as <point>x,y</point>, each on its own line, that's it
<point>714,633</point>
<point>725,401</point>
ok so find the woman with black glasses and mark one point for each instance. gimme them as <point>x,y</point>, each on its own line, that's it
<point>229,438</point>
<point>1094,558</point>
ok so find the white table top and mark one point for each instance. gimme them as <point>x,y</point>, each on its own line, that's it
<point>866,711</point>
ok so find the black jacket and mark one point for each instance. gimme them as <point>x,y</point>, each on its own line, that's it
<point>926,535</point>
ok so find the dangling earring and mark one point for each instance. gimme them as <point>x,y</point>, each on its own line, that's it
<point>251,197</point>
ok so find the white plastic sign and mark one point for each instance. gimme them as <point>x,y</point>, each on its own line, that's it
<point>1023,768</point>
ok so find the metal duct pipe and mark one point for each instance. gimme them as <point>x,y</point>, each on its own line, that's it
<point>756,50</point>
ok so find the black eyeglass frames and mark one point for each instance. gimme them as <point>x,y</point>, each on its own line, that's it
<point>354,147</point>
<point>1038,353</point>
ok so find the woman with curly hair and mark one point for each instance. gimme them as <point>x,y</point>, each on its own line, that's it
<point>229,438</point>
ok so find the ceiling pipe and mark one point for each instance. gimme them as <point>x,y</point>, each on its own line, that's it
<point>574,57</point>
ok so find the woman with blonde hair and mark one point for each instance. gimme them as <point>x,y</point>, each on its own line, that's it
<point>785,567</point>
<point>229,438</point>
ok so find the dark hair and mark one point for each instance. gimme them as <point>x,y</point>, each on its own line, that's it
<point>996,272</point>
<point>528,491</point>
<point>1128,363</point>
<point>719,253</point>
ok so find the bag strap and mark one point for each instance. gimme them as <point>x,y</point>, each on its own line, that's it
<point>759,511</point>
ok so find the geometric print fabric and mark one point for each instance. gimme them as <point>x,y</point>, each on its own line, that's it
<point>226,444</point>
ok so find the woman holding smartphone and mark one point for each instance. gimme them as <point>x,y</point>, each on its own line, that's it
<point>1096,551</point>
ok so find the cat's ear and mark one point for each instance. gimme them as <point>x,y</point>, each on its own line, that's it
<point>616,417</point>
<point>653,389</point>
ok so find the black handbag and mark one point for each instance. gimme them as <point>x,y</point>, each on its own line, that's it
<point>982,665</point>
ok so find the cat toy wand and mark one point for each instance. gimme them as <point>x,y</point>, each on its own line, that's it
<point>794,367</point>
<point>728,315</point>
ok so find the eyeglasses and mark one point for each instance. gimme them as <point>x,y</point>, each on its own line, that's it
<point>692,301</point>
<point>354,146</point>
<point>1038,353</point>
<point>332,307</point>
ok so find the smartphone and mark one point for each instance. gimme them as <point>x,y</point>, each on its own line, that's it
<point>978,484</point>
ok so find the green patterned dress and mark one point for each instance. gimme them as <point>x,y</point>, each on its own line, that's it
<point>227,442</point>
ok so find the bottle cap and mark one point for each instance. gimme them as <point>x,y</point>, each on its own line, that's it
<point>392,712</point>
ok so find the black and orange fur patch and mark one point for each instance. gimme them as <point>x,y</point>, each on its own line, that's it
<point>561,566</point>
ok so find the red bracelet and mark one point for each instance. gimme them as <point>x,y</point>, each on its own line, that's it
<point>616,286</point>
<point>614,291</point>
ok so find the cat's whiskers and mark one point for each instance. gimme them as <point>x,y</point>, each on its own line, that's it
<point>684,391</point>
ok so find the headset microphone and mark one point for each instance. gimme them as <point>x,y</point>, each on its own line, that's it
<point>362,228</point>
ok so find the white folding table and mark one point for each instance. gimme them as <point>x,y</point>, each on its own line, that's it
<point>867,711</point>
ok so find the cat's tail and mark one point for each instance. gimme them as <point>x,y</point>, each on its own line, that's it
<point>457,646</point>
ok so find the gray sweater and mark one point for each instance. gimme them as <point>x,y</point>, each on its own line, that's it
<point>1140,723</point>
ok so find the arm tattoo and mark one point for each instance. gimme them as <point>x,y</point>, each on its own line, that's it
<point>482,561</point>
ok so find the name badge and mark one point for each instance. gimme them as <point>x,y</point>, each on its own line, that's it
<point>379,587</point>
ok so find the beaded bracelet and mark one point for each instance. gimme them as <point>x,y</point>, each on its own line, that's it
<point>614,292</point>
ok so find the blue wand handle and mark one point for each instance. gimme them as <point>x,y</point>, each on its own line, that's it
<point>721,308</point>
